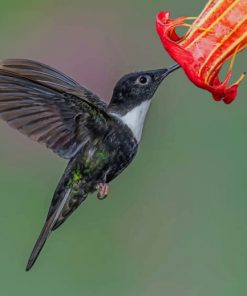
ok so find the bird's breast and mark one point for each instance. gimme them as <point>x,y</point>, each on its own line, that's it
<point>135,118</point>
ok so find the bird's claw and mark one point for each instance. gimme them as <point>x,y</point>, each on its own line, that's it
<point>103,190</point>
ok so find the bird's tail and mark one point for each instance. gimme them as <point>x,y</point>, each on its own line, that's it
<point>39,245</point>
<point>67,197</point>
<point>46,231</point>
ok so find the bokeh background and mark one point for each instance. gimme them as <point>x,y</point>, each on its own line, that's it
<point>175,221</point>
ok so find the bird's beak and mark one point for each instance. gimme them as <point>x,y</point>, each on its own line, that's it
<point>172,68</point>
<point>162,73</point>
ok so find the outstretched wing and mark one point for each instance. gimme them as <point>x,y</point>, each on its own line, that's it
<point>49,107</point>
<point>49,77</point>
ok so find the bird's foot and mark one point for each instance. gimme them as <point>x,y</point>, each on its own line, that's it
<point>103,190</point>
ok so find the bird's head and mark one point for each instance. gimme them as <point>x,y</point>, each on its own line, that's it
<point>135,88</point>
<point>132,97</point>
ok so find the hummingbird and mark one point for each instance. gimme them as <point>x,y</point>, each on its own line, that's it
<point>98,140</point>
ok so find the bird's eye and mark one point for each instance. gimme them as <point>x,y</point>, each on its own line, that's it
<point>143,80</point>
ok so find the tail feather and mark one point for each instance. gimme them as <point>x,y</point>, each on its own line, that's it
<point>39,244</point>
<point>46,231</point>
<point>69,194</point>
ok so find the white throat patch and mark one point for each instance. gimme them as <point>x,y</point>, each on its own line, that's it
<point>135,118</point>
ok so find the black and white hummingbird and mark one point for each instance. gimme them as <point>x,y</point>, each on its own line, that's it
<point>99,140</point>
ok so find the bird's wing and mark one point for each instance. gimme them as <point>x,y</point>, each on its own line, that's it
<point>49,77</point>
<point>49,107</point>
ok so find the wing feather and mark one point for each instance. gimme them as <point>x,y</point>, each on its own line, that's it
<point>49,107</point>
<point>50,77</point>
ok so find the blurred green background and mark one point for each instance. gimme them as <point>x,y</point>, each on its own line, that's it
<point>175,221</point>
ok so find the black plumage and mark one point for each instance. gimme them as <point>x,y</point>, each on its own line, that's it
<point>99,140</point>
